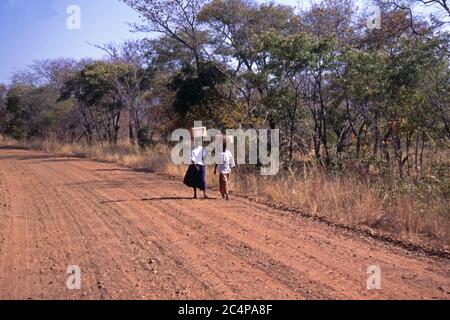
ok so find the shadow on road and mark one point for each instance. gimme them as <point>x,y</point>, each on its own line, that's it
<point>177,198</point>
<point>158,199</point>
<point>12,148</point>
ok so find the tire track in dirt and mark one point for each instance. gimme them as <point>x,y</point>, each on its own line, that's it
<point>168,230</point>
<point>69,235</point>
<point>95,204</point>
<point>17,238</point>
<point>308,257</point>
<point>99,239</point>
<point>323,267</point>
<point>185,223</point>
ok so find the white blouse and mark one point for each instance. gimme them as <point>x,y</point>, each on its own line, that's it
<point>198,155</point>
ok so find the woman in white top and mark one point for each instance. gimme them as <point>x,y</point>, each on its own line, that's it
<point>196,173</point>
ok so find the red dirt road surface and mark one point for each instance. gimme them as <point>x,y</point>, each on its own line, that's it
<point>137,235</point>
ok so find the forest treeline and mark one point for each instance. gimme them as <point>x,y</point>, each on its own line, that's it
<point>340,92</point>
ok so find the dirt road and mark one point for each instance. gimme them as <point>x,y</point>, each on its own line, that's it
<point>139,235</point>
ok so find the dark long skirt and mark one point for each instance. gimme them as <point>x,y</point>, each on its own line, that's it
<point>195,177</point>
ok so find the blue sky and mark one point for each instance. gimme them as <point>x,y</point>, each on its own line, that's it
<point>36,29</point>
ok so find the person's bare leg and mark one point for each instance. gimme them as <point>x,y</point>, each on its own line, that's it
<point>204,194</point>
<point>195,193</point>
<point>227,195</point>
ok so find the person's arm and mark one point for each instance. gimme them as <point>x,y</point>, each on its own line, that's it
<point>232,164</point>
<point>192,157</point>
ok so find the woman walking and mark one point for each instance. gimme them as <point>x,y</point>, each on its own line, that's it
<point>196,174</point>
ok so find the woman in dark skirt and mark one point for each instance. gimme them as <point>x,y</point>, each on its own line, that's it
<point>196,174</point>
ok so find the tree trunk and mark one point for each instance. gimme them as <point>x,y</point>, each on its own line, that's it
<point>398,155</point>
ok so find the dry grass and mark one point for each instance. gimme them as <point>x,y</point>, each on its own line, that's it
<point>345,199</point>
<point>320,194</point>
